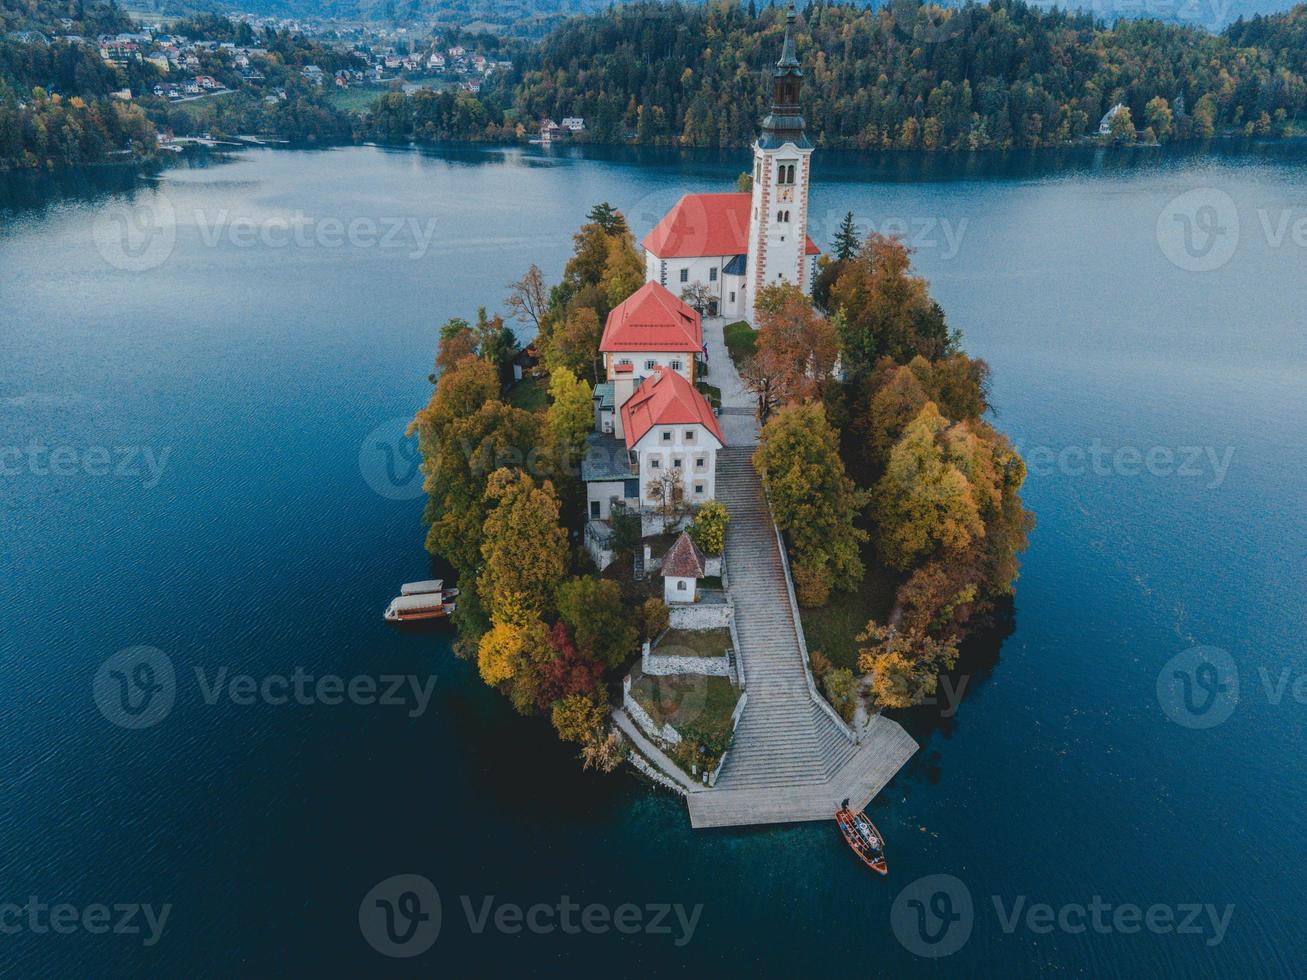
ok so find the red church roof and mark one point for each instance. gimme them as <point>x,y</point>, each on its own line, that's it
<point>706,224</point>
<point>666,398</point>
<point>652,319</point>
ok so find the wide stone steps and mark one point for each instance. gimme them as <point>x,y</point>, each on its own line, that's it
<point>784,737</point>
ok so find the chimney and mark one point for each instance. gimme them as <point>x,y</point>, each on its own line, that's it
<point>623,388</point>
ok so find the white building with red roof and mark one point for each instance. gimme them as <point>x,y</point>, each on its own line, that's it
<point>664,428</point>
<point>733,245</point>
<point>652,328</point>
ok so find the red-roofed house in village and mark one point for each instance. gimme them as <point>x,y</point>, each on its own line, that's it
<point>735,244</point>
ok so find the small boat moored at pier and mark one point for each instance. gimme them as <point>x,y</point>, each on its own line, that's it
<point>862,837</point>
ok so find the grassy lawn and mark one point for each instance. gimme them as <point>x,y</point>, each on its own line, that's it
<point>694,643</point>
<point>833,629</point>
<point>356,98</point>
<point>741,340</point>
<point>702,703</point>
<point>530,393</point>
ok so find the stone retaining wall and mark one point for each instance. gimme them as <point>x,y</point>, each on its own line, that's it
<point>652,771</point>
<point>641,717</point>
<point>700,616</point>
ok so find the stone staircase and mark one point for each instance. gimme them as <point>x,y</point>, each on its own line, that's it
<point>785,738</point>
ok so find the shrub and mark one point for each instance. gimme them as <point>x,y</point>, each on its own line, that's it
<point>654,617</point>
<point>709,527</point>
<point>841,689</point>
<point>820,664</point>
<point>741,341</point>
<point>812,583</point>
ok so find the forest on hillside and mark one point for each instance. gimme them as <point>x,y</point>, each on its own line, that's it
<point>997,75</point>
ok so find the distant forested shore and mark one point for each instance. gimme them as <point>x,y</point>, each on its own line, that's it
<point>907,76</point>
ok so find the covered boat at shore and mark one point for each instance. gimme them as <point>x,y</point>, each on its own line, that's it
<point>422,588</point>
<point>428,605</point>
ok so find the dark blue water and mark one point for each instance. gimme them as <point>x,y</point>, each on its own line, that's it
<point>253,374</point>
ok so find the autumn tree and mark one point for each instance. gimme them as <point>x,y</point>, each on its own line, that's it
<point>574,344</point>
<point>904,666</point>
<point>464,434</point>
<point>524,548</point>
<point>886,310</point>
<point>668,494</point>
<point>571,410</point>
<point>457,341</point>
<point>568,670</point>
<point>513,657</point>
<point>924,504</point>
<point>578,718</point>
<point>796,351</point>
<point>812,498</point>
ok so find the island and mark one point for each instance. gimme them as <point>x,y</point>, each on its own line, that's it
<point>653,505</point>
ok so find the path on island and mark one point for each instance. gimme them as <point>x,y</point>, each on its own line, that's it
<point>790,760</point>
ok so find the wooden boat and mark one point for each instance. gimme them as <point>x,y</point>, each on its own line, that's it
<point>862,837</point>
<point>422,588</point>
<point>430,605</point>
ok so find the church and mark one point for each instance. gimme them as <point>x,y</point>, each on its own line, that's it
<point>732,245</point>
<point>652,423</point>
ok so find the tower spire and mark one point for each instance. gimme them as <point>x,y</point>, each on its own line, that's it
<point>783,124</point>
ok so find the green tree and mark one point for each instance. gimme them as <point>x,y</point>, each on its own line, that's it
<point>1158,118</point>
<point>601,626</point>
<point>847,241</point>
<point>1121,128</point>
<point>811,496</point>
<point>709,527</point>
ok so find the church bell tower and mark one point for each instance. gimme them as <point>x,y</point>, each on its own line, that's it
<point>778,219</point>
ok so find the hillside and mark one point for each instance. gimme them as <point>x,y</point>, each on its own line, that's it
<point>1002,75</point>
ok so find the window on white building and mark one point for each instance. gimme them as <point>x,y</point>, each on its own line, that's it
<point>698,489</point>
<point>680,586</point>
<point>685,275</point>
<point>700,462</point>
<point>676,463</point>
<point>654,463</point>
<point>667,437</point>
<point>689,435</point>
<point>674,365</point>
<point>732,295</point>
<point>712,274</point>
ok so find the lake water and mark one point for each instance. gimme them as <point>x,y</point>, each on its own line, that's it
<point>214,394</point>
